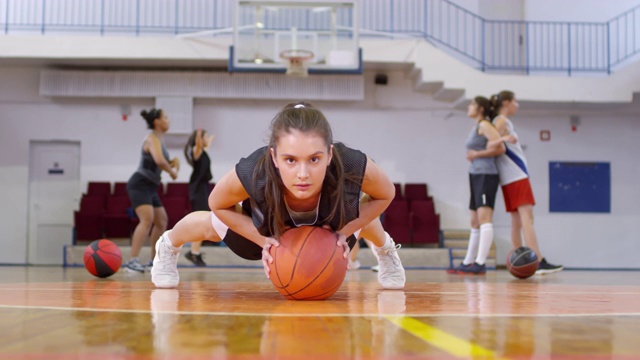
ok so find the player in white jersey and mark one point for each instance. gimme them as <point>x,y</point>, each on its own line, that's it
<point>514,179</point>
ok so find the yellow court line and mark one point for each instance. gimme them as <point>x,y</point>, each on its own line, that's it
<point>440,339</point>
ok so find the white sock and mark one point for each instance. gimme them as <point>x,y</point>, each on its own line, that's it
<point>387,242</point>
<point>195,252</point>
<point>373,249</point>
<point>472,249</point>
<point>486,239</point>
<point>169,242</point>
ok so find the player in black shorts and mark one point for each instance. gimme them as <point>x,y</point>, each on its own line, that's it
<point>195,151</point>
<point>483,183</point>
<point>142,186</point>
<point>301,178</point>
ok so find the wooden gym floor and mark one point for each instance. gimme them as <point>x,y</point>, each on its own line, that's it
<point>58,313</point>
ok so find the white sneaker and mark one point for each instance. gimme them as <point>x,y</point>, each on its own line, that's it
<point>375,268</point>
<point>164,273</point>
<point>354,265</point>
<point>391,274</point>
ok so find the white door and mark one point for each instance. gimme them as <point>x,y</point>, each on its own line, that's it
<point>54,192</point>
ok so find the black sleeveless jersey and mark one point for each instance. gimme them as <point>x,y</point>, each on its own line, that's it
<point>354,162</point>
<point>201,173</point>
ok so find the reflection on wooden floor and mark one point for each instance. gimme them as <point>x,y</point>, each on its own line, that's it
<point>55,313</point>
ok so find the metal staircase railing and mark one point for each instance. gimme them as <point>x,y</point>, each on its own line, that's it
<point>489,45</point>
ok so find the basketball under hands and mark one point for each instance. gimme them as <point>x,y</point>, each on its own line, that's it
<point>308,264</point>
<point>102,258</point>
<point>522,262</point>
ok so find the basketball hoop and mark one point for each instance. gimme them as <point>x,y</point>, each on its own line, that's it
<point>297,62</point>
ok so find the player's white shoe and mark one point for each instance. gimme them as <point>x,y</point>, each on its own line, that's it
<point>164,273</point>
<point>354,265</point>
<point>391,274</point>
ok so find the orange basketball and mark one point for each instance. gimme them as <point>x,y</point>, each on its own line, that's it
<point>308,264</point>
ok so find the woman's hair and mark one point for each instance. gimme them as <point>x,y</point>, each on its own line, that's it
<point>150,116</point>
<point>298,105</point>
<point>191,143</point>
<point>485,104</point>
<point>305,118</point>
<point>498,99</point>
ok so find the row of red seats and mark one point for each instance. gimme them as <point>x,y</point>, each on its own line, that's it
<point>411,218</point>
<point>103,188</point>
<point>412,191</point>
<point>107,213</point>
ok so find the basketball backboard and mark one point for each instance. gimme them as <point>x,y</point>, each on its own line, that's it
<point>267,32</point>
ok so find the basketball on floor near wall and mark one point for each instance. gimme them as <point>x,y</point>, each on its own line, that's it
<point>522,262</point>
<point>102,258</point>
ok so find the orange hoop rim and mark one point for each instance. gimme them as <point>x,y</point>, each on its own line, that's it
<point>303,55</point>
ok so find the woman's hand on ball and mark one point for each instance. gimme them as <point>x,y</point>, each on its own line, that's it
<point>266,257</point>
<point>342,241</point>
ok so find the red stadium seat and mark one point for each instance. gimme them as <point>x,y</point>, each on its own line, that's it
<point>117,221</point>
<point>88,219</point>
<point>177,189</point>
<point>425,223</point>
<point>120,189</point>
<point>396,221</point>
<point>416,191</point>
<point>398,195</point>
<point>177,207</point>
<point>99,188</point>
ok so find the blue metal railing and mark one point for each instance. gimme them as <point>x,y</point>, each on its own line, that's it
<point>513,45</point>
<point>489,45</point>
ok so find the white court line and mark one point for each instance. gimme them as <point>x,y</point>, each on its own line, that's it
<point>414,315</point>
<point>597,292</point>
